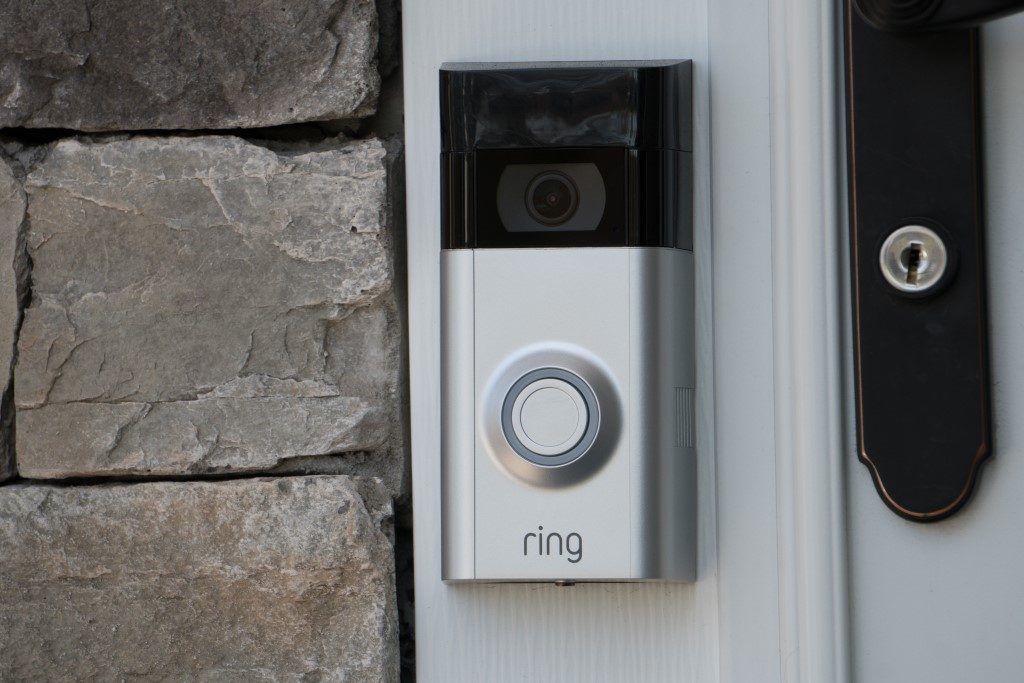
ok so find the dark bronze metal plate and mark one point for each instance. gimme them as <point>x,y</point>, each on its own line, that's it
<point>921,363</point>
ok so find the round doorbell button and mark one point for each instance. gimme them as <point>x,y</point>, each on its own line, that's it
<point>549,416</point>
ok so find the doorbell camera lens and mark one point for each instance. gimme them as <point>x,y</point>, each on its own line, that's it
<point>552,198</point>
<point>562,193</point>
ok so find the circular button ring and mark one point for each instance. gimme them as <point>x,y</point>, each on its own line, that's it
<point>549,416</point>
<point>550,440</point>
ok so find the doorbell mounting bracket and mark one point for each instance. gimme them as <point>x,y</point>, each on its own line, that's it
<point>568,374</point>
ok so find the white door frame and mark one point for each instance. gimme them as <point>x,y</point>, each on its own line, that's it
<point>809,276</point>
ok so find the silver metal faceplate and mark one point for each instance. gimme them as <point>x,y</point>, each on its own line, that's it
<point>622,320</point>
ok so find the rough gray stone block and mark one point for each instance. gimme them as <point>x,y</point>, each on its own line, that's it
<point>12,274</point>
<point>248,580</point>
<point>205,304</point>
<point>110,65</point>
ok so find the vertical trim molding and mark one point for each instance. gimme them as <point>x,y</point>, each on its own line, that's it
<point>593,632</point>
<point>807,274</point>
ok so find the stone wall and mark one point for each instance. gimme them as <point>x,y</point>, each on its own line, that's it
<point>202,436</point>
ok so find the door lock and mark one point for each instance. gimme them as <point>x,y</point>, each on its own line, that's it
<point>919,300</point>
<point>914,260</point>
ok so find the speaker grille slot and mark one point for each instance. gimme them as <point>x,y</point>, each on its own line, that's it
<point>685,418</point>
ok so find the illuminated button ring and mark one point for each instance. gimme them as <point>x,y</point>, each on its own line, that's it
<point>550,417</point>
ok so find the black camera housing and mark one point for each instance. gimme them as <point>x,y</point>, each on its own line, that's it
<point>505,125</point>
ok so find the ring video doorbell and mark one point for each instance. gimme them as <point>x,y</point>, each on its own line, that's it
<point>567,322</point>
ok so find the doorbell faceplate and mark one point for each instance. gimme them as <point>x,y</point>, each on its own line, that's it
<point>567,322</point>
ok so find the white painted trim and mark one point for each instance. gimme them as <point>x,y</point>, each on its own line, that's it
<point>645,632</point>
<point>748,586</point>
<point>768,276</point>
<point>807,271</point>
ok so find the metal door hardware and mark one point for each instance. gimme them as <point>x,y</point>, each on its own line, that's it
<point>917,247</point>
<point>932,15</point>
<point>914,260</point>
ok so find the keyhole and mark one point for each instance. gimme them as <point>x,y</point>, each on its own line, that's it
<point>912,258</point>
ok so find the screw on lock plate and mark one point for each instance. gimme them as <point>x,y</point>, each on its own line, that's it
<point>914,259</point>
